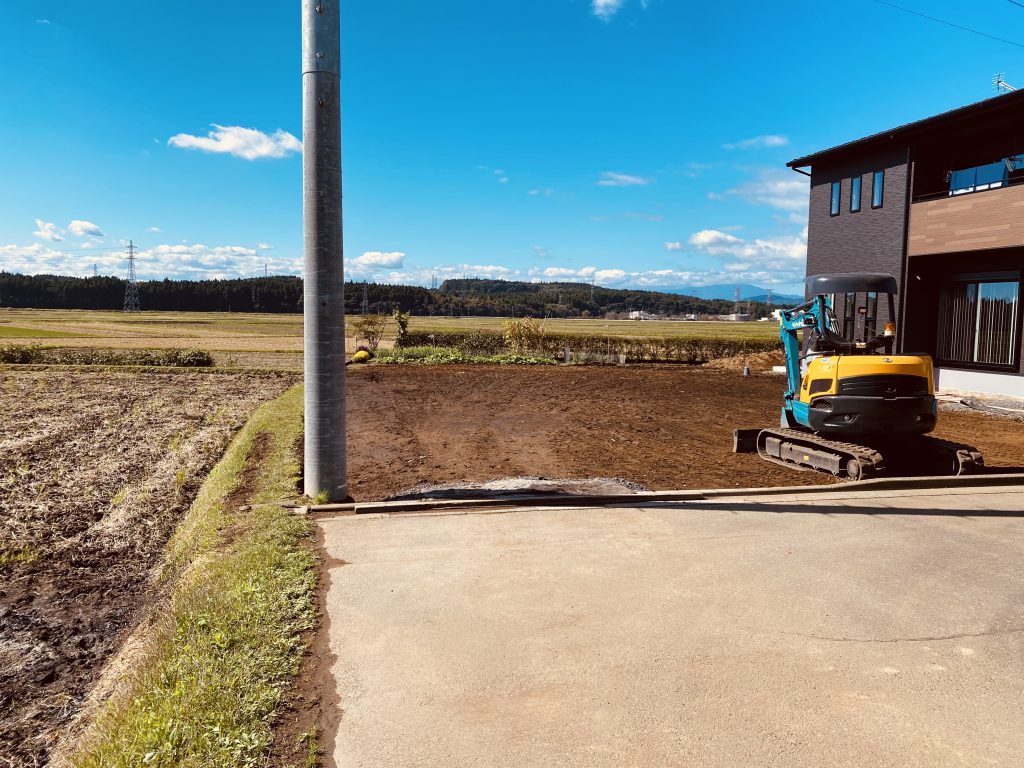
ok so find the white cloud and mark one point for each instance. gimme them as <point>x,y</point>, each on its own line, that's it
<point>247,143</point>
<point>605,9</point>
<point>671,279</point>
<point>379,260</point>
<point>43,21</point>
<point>677,246</point>
<point>547,192</point>
<point>558,273</point>
<point>154,230</point>
<point>47,231</point>
<point>768,141</point>
<point>613,179</point>
<point>708,238</point>
<point>265,247</point>
<point>81,228</point>
<point>177,262</point>
<point>784,256</point>
<point>775,189</point>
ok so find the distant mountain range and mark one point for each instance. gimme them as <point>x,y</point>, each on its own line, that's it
<point>728,292</point>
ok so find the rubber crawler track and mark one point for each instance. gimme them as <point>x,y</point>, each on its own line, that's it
<point>923,455</point>
<point>872,462</point>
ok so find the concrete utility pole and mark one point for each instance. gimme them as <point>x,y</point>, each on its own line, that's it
<point>323,296</point>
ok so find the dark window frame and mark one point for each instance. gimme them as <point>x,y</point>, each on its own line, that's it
<point>881,190</point>
<point>870,329</point>
<point>849,316</point>
<point>978,279</point>
<point>859,182</point>
<point>835,201</point>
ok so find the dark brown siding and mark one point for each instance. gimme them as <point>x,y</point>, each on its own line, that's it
<point>871,240</point>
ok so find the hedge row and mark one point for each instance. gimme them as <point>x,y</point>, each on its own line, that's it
<point>450,355</point>
<point>171,358</point>
<point>676,349</point>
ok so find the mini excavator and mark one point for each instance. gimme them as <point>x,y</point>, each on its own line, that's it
<point>853,408</point>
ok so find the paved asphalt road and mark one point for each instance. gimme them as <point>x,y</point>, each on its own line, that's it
<point>842,629</point>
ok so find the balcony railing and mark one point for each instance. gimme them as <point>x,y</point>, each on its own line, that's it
<point>980,178</point>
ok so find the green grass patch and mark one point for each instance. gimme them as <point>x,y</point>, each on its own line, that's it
<point>547,345</point>
<point>12,332</point>
<point>242,587</point>
<point>717,329</point>
<point>11,555</point>
<point>449,356</point>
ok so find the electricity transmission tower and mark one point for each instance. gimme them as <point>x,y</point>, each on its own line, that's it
<point>131,290</point>
<point>366,299</point>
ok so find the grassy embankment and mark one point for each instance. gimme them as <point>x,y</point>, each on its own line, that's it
<point>241,589</point>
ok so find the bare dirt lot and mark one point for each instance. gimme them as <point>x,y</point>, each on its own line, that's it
<point>95,470</point>
<point>667,427</point>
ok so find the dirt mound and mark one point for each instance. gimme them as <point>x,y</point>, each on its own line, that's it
<point>759,362</point>
<point>519,486</point>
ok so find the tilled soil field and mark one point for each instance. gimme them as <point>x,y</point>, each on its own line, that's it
<point>667,427</point>
<point>95,470</point>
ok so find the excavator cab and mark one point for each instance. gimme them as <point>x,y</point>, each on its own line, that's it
<point>861,330</point>
<point>850,399</point>
<point>849,381</point>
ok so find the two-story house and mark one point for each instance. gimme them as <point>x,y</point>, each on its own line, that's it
<point>939,204</point>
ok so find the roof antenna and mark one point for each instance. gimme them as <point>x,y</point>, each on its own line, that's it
<point>1000,84</point>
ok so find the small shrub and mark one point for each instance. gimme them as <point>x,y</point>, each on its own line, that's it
<point>370,329</point>
<point>362,356</point>
<point>20,355</point>
<point>402,321</point>
<point>523,335</point>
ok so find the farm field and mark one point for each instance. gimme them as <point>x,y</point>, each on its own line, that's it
<point>222,332</point>
<point>665,427</point>
<point>96,468</point>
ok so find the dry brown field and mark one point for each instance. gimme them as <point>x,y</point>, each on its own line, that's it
<point>95,470</point>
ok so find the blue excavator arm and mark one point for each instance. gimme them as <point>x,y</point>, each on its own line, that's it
<point>811,315</point>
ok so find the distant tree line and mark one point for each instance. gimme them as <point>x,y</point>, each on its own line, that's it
<point>278,294</point>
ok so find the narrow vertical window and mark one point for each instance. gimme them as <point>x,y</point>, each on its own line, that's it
<point>837,188</point>
<point>849,316</point>
<point>871,316</point>
<point>877,189</point>
<point>855,194</point>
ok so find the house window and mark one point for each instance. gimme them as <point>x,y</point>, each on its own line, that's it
<point>978,322</point>
<point>837,188</point>
<point>877,189</point>
<point>855,194</point>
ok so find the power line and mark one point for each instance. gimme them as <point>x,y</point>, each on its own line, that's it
<point>1019,5</point>
<point>951,24</point>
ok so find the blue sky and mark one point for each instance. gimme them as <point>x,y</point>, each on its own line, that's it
<point>632,142</point>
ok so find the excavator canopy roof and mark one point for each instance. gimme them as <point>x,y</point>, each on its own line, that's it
<point>851,282</point>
